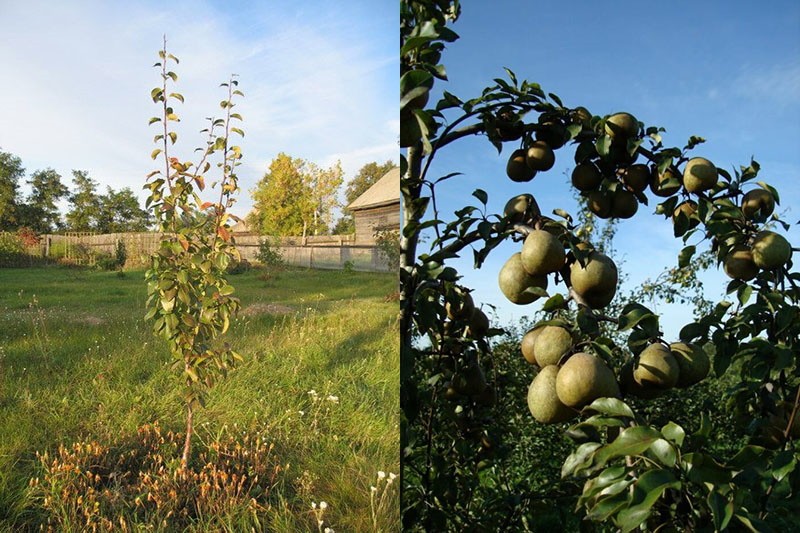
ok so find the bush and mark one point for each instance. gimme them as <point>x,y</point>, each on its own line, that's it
<point>388,242</point>
<point>120,253</point>
<point>12,250</point>
<point>135,484</point>
<point>238,267</point>
<point>267,254</point>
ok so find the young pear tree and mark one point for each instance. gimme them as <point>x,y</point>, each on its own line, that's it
<point>189,297</point>
<point>633,473</point>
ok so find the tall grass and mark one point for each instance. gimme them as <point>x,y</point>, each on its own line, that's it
<point>319,385</point>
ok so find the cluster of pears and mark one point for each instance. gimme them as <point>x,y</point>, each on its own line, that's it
<point>563,387</point>
<point>537,153</point>
<point>523,277</point>
<point>567,383</point>
<point>465,321</point>
<point>660,367</point>
<point>766,250</point>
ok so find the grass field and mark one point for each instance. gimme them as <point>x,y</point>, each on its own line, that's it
<point>78,363</point>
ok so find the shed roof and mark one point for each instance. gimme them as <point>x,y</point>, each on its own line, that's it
<point>385,191</point>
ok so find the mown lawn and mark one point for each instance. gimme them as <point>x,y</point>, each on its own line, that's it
<point>77,362</point>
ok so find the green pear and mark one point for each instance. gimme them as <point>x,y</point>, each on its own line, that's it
<point>552,343</point>
<point>583,379</point>
<point>699,175</point>
<point>521,208</point>
<point>623,204</point>
<point>586,177</point>
<point>517,169</point>
<point>528,343</point>
<point>657,368</point>
<point>540,157</point>
<point>516,284</point>
<point>665,184</point>
<point>693,362</point>
<point>739,264</point>
<point>595,283</point>
<point>622,126</point>
<point>758,203</point>
<point>770,250</point>
<point>543,401</point>
<point>542,253</point>
<point>636,177</point>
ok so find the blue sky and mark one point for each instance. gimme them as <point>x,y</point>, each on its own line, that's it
<point>727,71</point>
<point>320,79</point>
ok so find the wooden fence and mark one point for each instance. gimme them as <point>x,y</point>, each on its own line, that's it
<point>318,251</point>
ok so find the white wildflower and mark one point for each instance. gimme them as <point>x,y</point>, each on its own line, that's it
<point>381,474</point>
<point>323,505</point>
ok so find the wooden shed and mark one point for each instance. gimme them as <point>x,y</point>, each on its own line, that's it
<point>378,208</point>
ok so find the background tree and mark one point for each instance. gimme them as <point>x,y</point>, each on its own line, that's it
<point>295,197</point>
<point>11,171</point>
<point>84,213</point>
<point>120,212</point>
<point>40,211</point>
<point>363,180</point>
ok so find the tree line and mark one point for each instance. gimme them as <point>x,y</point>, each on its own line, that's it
<point>89,210</point>
<point>294,197</point>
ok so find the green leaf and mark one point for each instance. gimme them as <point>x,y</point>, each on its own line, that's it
<point>743,294</point>
<point>664,453</point>
<point>173,136</point>
<point>177,96</point>
<point>721,510</point>
<point>648,489</point>
<point>172,75</point>
<point>155,153</point>
<point>554,302</point>
<point>632,441</point>
<point>610,407</point>
<point>579,459</point>
<point>238,130</point>
<point>783,464</point>
<point>674,433</point>
<point>685,256</point>
<point>153,120</point>
<point>603,145</point>
<point>481,195</point>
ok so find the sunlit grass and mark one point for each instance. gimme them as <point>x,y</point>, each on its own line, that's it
<point>78,363</point>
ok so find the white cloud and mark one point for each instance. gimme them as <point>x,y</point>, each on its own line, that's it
<point>78,76</point>
<point>771,84</point>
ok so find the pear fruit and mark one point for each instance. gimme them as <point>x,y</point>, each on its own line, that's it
<point>622,126</point>
<point>552,132</point>
<point>528,343</point>
<point>586,177</point>
<point>540,157</point>
<point>542,253</point>
<point>693,363</point>
<point>739,264</point>
<point>623,204</point>
<point>657,368</point>
<point>462,308</point>
<point>689,210</point>
<point>770,250</point>
<point>758,203</point>
<point>583,379</point>
<point>599,203</point>
<point>665,184</point>
<point>552,343</point>
<point>478,324</point>
<point>631,388</point>
<point>581,115</point>
<point>516,283</point>
<point>521,207</point>
<point>543,401</point>
<point>636,177</point>
<point>595,283</point>
<point>699,175</point>
<point>517,169</point>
